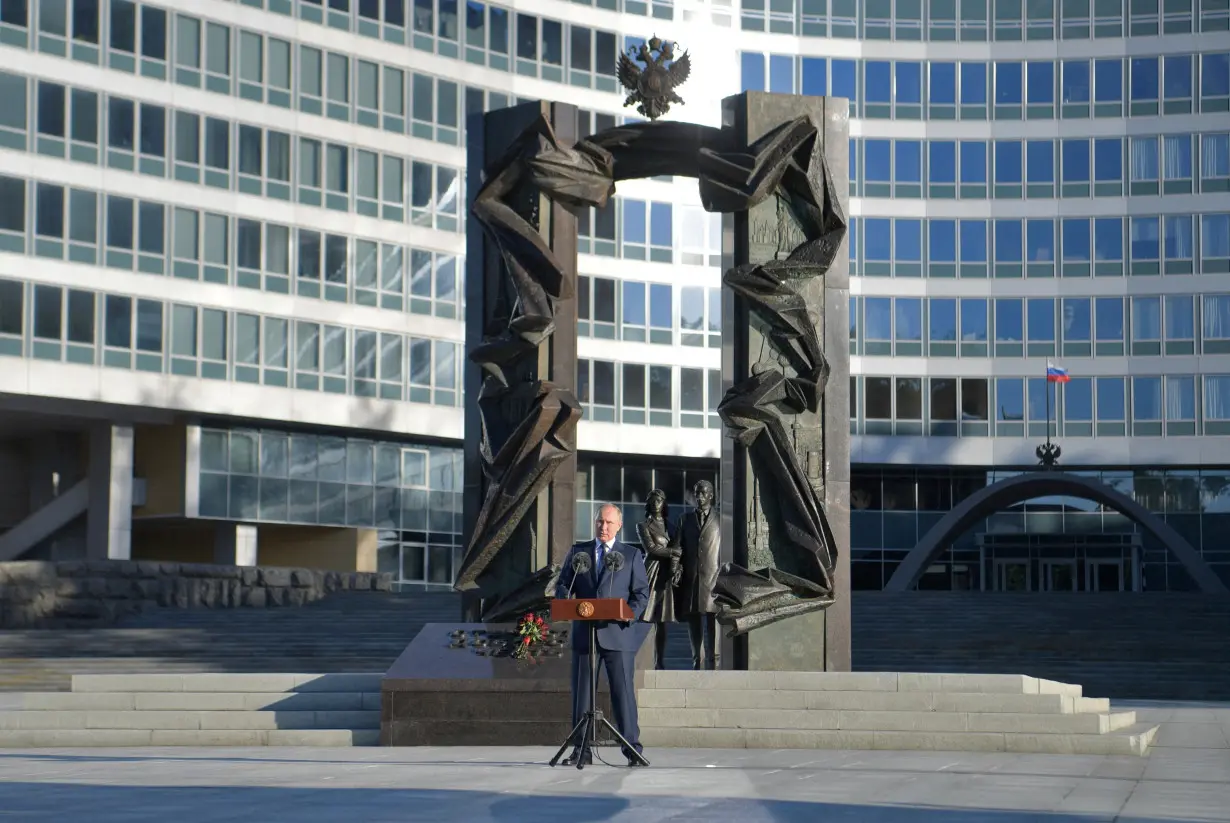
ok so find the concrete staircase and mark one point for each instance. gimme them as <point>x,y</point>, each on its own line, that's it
<point>345,632</point>
<point>882,710</point>
<point>1129,645</point>
<point>199,710</point>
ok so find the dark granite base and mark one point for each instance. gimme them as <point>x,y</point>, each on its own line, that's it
<point>434,695</point>
<point>794,645</point>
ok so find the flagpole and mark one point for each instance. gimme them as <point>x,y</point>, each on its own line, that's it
<point>1048,405</point>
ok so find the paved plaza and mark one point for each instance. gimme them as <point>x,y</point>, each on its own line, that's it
<point>1186,777</point>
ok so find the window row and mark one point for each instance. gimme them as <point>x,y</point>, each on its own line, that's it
<point>162,44</point>
<point>83,226</point>
<point>273,476</point>
<point>130,135</point>
<point>1143,326</point>
<point>1072,167</point>
<point>1002,90</point>
<point>269,453</point>
<point>981,21</point>
<point>641,312</point>
<point>48,322</point>
<point>642,394</point>
<point>1041,247</point>
<point>1138,406</point>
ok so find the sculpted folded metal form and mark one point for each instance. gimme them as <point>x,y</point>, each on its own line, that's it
<point>787,164</point>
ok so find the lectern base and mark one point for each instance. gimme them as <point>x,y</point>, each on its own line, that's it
<point>584,736</point>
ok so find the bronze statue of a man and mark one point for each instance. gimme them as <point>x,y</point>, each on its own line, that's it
<point>699,539</point>
<point>662,566</point>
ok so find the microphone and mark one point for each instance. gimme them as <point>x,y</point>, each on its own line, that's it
<point>581,564</point>
<point>613,561</point>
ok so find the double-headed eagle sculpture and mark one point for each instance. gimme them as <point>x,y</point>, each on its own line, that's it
<point>653,87</point>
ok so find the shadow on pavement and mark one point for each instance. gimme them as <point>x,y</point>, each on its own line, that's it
<point>30,802</point>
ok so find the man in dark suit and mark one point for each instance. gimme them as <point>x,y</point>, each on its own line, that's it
<point>699,537</point>
<point>617,642</point>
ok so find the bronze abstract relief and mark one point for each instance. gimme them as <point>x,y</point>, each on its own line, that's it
<point>536,421</point>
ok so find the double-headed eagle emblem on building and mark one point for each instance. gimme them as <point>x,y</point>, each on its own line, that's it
<point>653,86</point>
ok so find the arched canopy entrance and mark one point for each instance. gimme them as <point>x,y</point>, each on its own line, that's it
<point>1018,489</point>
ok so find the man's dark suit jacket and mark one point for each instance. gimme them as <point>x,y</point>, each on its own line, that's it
<point>631,583</point>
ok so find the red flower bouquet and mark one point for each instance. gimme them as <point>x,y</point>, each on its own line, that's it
<point>532,630</point>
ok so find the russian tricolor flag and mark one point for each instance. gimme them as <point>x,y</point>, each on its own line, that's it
<point>1054,374</point>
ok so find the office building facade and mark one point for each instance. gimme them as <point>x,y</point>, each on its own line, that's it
<point>231,268</point>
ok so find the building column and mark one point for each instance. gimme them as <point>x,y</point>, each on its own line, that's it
<point>235,544</point>
<point>109,516</point>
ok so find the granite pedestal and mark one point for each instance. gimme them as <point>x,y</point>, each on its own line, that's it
<point>438,693</point>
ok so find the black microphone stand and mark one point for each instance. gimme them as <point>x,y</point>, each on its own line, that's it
<point>584,735</point>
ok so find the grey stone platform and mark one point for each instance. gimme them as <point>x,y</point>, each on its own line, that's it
<point>198,710</point>
<point>883,710</point>
<point>679,709</point>
<point>1186,777</point>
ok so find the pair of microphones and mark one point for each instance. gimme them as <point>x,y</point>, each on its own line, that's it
<point>613,561</point>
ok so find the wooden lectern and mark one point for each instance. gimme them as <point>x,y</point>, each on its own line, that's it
<point>592,608</point>
<point>592,611</point>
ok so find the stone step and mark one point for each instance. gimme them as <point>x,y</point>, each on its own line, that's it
<point>885,721</point>
<point>878,701</point>
<point>887,681</point>
<point>1132,740</point>
<point>201,701</point>
<point>83,738</point>
<point>189,720</point>
<point>228,682</point>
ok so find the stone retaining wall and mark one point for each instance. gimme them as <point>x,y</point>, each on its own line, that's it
<point>42,594</point>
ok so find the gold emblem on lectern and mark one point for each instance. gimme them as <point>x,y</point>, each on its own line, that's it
<point>585,609</point>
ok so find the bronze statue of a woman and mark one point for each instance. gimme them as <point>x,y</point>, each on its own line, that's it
<point>663,569</point>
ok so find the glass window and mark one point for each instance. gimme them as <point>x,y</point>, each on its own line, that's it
<point>1041,319</point>
<point>1040,79</point>
<point>153,131</point>
<point>218,49</point>
<point>121,127</point>
<point>1109,317</point>
<point>119,222</point>
<point>1180,317</point>
<point>1076,319</point>
<point>973,84</point>
<point>188,41</point>
<point>942,320</point>
<point>149,326</point>
<point>12,204</point>
<point>83,217</point>
<point>1177,77</point>
<point>48,312</point>
<point>85,116</point>
<point>973,320</point>
<point>51,103</point>
<point>1008,320</point>
<point>1008,84</point>
<point>942,83</point>
<point>49,211</point>
<point>187,138</point>
<point>1146,398</point>
<point>153,33</point>
<point>1108,80</point>
<point>1076,82</point>
<point>150,228</point>
<point>1111,399</point>
<point>251,62</point>
<point>1078,400</point>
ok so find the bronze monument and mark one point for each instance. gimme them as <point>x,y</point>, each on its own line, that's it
<point>662,563</point>
<point>699,538</point>
<point>787,457</point>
